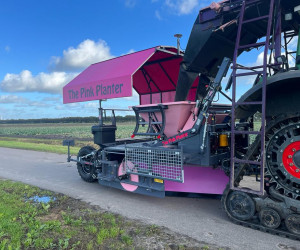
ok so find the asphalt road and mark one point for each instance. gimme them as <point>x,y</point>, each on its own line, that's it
<point>200,218</point>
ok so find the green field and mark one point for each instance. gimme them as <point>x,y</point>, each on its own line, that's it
<point>60,130</point>
<point>48,137</point>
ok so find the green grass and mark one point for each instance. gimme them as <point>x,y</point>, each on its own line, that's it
<point>37,146</point>
<point>27,224</point>
<point>66,223</point>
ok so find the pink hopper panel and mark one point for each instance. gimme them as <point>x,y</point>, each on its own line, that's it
<point>176,116</point>
<point>203,180</point>
<point>190,122</point>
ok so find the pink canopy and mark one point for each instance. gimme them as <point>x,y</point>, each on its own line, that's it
<point>152,73</point>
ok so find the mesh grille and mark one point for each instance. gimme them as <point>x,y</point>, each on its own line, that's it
<point>157,163</point>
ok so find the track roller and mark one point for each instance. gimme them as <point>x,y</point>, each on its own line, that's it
<point>292,223</point>
<point>269,218</point>
<point>240,205</point>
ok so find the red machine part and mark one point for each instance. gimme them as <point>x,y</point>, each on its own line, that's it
<point>290,159</point>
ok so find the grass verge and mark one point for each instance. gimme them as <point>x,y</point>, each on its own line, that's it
<point>37,145</point>
<point>66,223</point>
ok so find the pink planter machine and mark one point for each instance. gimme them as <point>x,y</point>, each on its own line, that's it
<point>173,146</point>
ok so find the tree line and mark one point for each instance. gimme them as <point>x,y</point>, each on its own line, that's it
<point>90,119</point>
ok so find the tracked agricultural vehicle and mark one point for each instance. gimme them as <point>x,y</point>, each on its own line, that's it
<point>248,150</point>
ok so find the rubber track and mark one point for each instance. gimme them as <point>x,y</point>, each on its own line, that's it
<point>239,176</point>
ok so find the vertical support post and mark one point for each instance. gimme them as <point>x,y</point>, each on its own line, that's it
<point>178,36</point>
<point>114,122</point>
<point>264,97</point>
<point>278,34</point>
<point>69,156</point>
<point>286,46</point>
<point>100,113</point>
<point>298,53</point>
<point>234,83</point>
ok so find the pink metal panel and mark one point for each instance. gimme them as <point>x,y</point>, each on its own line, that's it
<point>148,71</point>
<point>133,178</point>
<point>197,179</point>
<point>105,80</point>
<point>168,96</point>
<point>190,122</point>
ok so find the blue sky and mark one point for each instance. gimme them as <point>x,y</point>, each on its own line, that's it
<point>45,44</point>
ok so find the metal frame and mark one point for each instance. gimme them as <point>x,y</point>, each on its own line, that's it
<point>151,114</point>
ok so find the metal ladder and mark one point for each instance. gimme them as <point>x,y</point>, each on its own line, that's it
<point>256,70</point>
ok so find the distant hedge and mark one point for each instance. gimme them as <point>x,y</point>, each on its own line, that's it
<point>90,119</point>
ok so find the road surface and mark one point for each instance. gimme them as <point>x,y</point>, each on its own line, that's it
<point>200,218</point>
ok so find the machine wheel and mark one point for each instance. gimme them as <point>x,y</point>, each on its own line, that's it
<point>269,218</point>
<point>292,223</point>
<point>85,170</point>
<point>240,205</point>
<point>283,157</point>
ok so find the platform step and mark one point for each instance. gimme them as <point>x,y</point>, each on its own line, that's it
<point>249,73</point>
<point>147,123</point>
<point>247,132</point>
<point>256,19</point>
<point>247,162</point>
<point>247,103</point>
<point>252,45</point>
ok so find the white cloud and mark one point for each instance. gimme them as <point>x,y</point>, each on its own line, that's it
<point>83,55</point>
<point>21,102</point>
<point>157,15</point>
<point>7,48</point>
<point>52,99</point>
<point>43,82</point>
<point>130,3</point>
<point>37,104</point>
<point>86,53</point>
<point>94,105</point>
<point>292,46</point>
<point>183,7</point>
<point>128,52</point>
<point>260,59</point>
<point>12,99</point>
